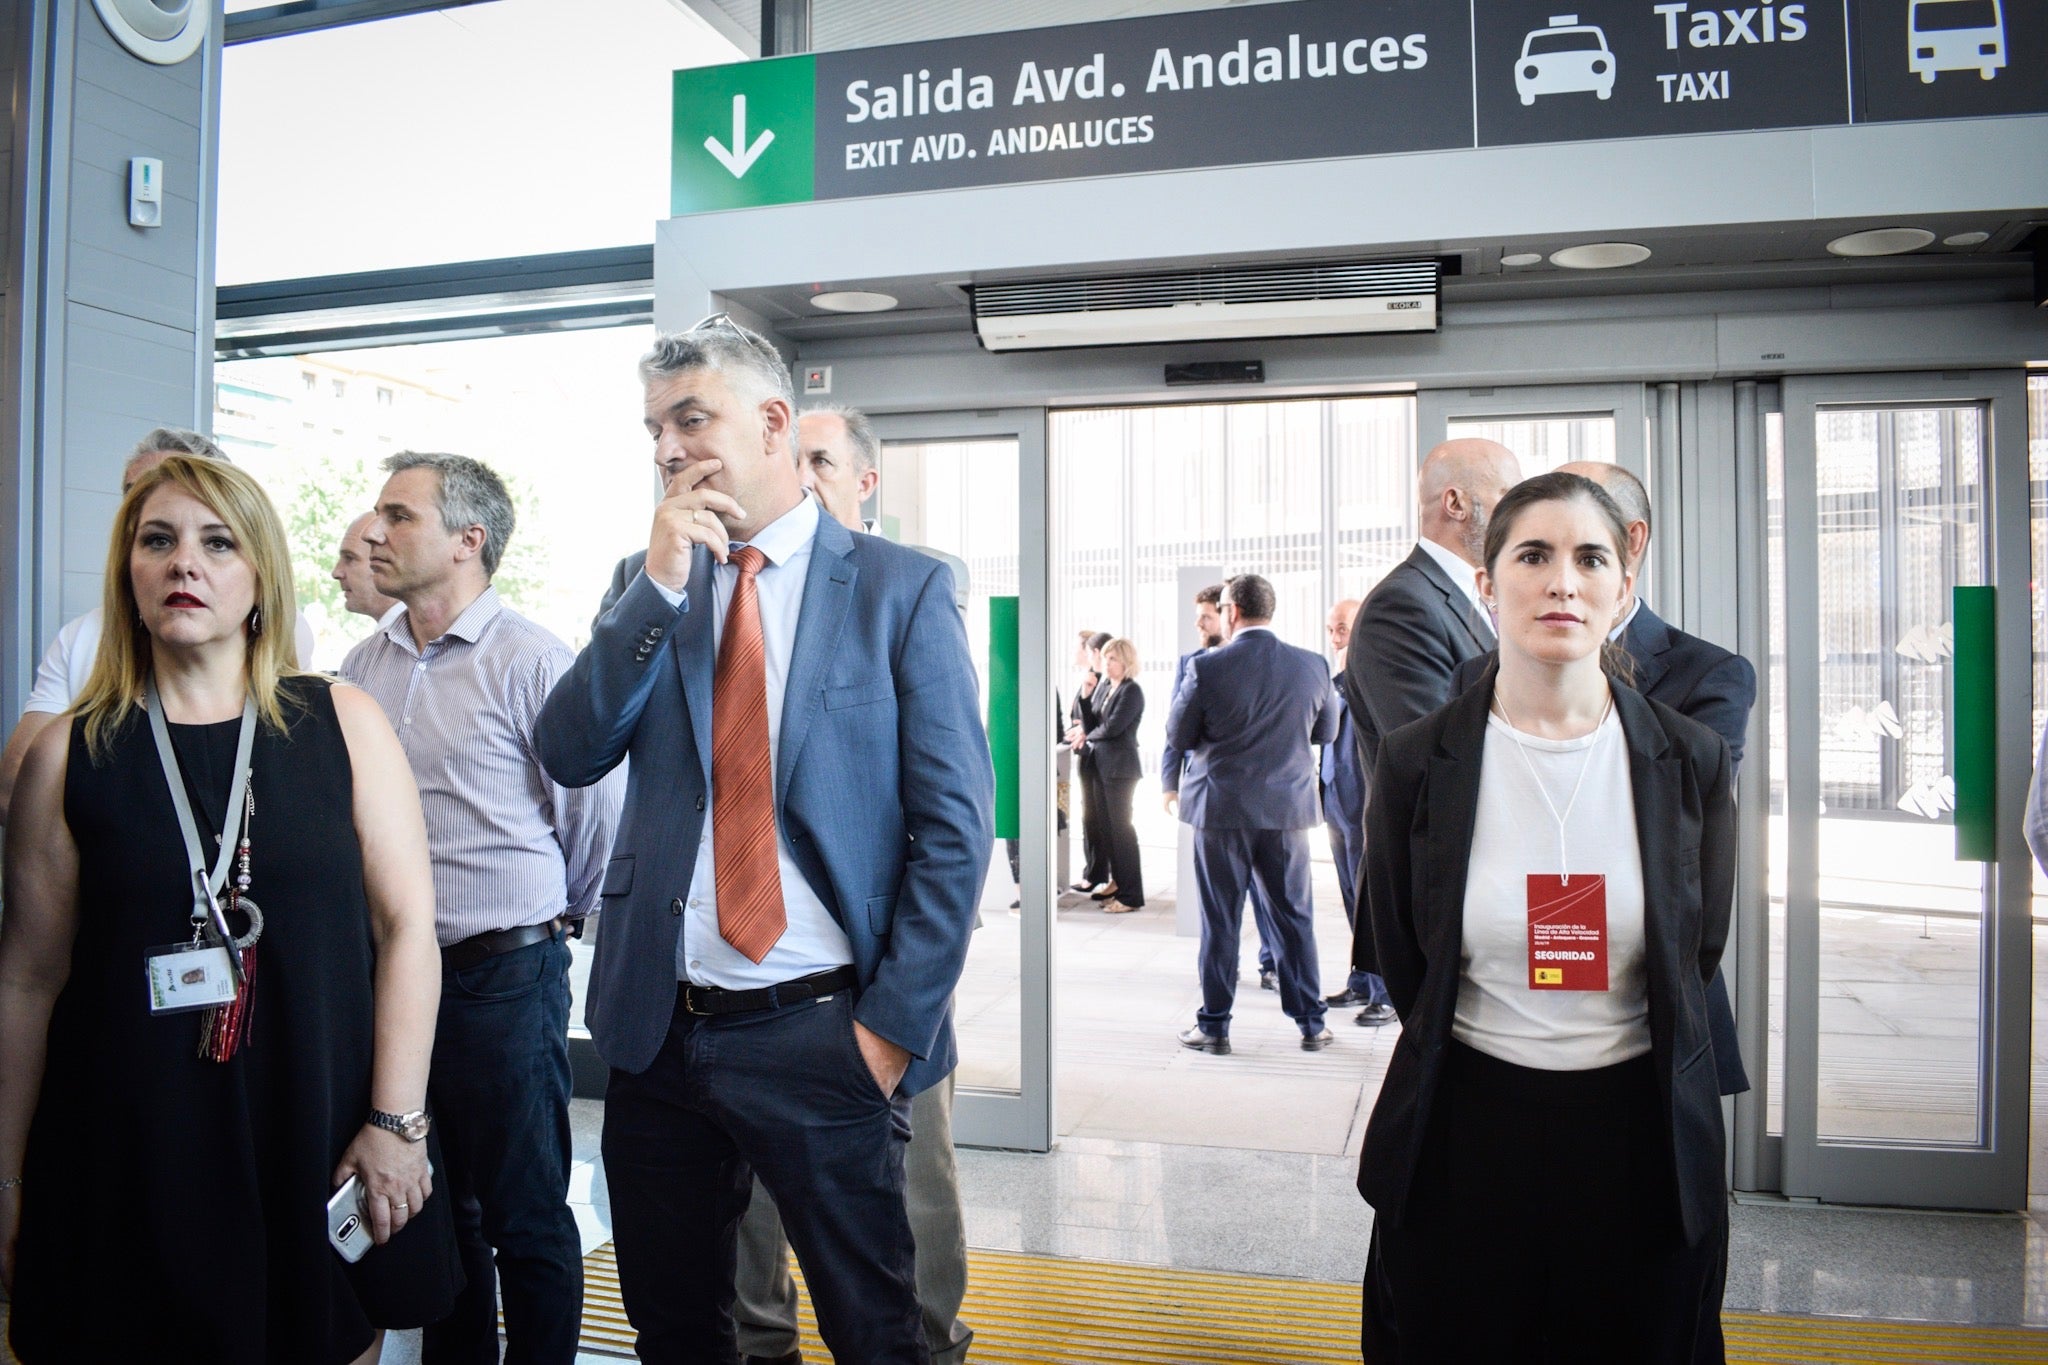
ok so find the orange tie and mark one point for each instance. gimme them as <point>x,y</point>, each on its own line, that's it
<point>749,879</point>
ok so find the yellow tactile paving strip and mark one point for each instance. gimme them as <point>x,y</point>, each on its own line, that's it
<point>1043,1310</point>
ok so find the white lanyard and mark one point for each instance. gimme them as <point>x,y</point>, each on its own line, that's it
<point>207,888</point>
<point>1514,733</point>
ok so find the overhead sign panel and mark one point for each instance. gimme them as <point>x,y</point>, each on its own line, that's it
<point>1222,87</point>
<point>1641,68</point>
<point>1333,78</point>
<point>1923,59</point>
<point>1323,78</point>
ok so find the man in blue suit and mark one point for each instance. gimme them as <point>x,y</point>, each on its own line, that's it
<point>1209,629</point>
<point>1343,791</point>
<point>1245,716</point>
<point>777,960</point>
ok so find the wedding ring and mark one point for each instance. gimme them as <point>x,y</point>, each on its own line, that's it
<point>401,1207</point>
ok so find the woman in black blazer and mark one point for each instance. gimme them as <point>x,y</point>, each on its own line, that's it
<point>1109,749</point>
<point>1549,870</point>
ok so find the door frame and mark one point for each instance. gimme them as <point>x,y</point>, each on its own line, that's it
<point>1991,1174</point>
<point>1020,1120</point>
<point>1627,402</point>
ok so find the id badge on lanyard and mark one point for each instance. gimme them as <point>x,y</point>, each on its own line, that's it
<point>212,970</point>
<point>1567,932</point>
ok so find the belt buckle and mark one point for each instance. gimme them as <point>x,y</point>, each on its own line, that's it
<point>690,1001</point>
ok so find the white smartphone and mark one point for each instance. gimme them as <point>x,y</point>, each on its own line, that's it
<point>348,1227</point>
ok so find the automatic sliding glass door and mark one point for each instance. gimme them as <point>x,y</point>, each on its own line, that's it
<point>1904,659</point>
<point>972,486</point>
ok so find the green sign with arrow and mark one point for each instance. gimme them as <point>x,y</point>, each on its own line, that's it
<point>743,136</point>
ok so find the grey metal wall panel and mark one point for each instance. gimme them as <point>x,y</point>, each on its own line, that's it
<point>150,292</point>
<point>78,592</point>
<point>103,62</point>
<point>120,315</point>
<point>87,515</point>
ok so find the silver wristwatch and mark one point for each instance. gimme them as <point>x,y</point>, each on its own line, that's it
<point>412,1127</point>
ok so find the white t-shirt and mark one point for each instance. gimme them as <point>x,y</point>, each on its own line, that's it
<point>1499,1012</point>
<point>67,663</point>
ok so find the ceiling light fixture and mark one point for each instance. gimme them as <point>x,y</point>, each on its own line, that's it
<point>853,301</point>
<point>1966,239</point>
<point>1520,258</point>
<point>1600,256</point>
<point>1891,241</point>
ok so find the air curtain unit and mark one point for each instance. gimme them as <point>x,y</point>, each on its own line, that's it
<point>1309,298</point>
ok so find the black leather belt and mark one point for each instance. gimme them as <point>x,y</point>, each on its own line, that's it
<point>713,1000</point>
<point>483,947</point>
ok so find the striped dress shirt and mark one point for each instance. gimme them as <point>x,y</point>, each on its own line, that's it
<point>509,846</point>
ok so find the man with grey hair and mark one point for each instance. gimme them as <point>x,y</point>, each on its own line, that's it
<point>775,977</point>
<point>517,862</point>
<point>65,666</point>
<point>840,456</point>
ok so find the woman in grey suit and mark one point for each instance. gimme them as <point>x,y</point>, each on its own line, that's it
<point>1549,869</point>
<point>1110,748</point>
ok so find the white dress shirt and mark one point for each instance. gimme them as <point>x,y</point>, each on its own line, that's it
<point>1514,834</point>
<point>1463,574</point>
<point>813,940</point>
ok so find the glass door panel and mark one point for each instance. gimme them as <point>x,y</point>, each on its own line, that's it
<point>1898,958</point>
<point>970,487</point>
<point>1902,513</point>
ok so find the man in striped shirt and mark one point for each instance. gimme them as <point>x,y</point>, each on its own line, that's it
<point>517,865</point>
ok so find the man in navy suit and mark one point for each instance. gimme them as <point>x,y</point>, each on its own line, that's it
<point>1246,716</point>
<point>1694,677</point>
<point>1209,629</point>
<point>775,961</point>
<point>1342,787</point>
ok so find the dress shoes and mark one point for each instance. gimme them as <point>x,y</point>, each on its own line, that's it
<point>1205,1042</point>
<point>1268,981</point>
<point>1345,997</point>
<point>1103,892</point>
<point>1316,1042</point>
<point>1082,886</point>
<point>1375,1016</point>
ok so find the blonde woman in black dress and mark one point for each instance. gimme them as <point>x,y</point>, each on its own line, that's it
<point>166,1174</point>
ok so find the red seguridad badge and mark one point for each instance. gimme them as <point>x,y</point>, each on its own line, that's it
<point>1567,932</point>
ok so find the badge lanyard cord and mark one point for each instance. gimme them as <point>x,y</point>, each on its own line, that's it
<point>1586,766</point>
<point>205,905</point>
<point>226,1025</point>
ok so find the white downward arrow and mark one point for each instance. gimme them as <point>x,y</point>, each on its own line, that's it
<point>733,158</point>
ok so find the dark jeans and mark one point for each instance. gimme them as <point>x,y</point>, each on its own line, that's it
<point>1228,862</point>
<point>499,1092</point>
<point>783,1094</point>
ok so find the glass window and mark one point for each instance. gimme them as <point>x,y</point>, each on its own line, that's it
<point>507,129</point>
<point>558,415</point>
<point>1544,443</point>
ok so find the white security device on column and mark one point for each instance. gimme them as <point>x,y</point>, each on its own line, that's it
<point>145,191</point>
